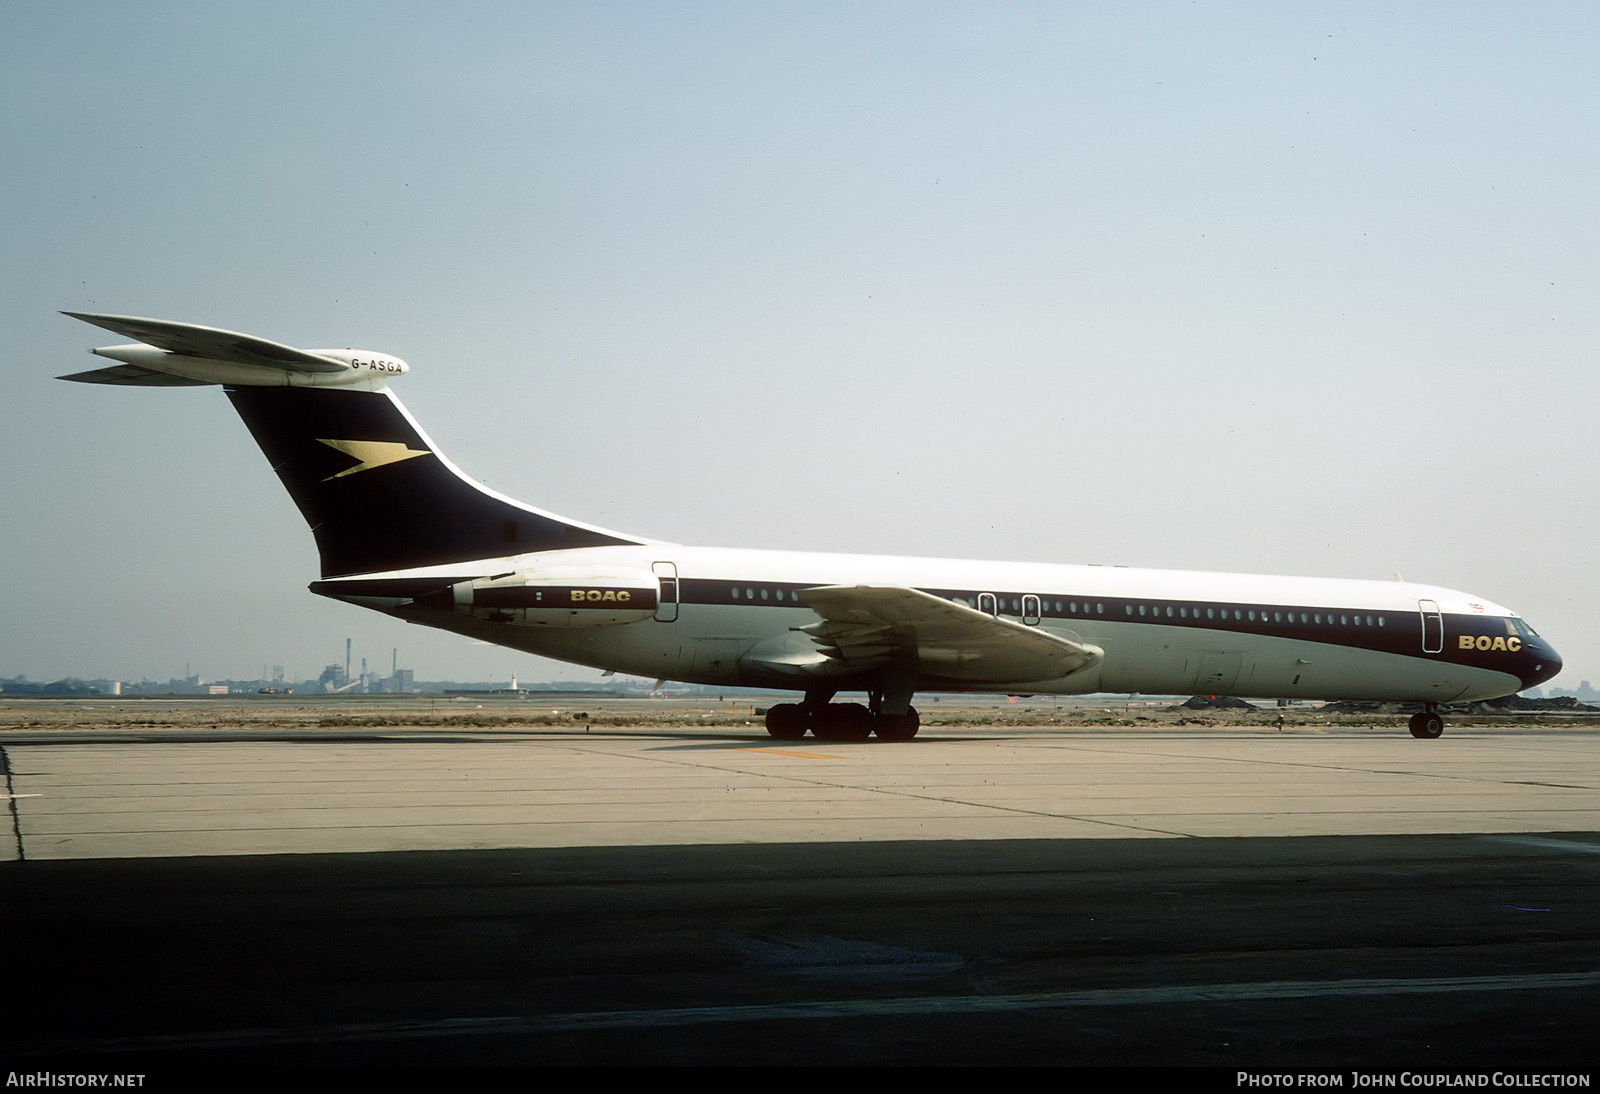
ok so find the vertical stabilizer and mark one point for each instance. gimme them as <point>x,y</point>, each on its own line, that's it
<point>377,493</point>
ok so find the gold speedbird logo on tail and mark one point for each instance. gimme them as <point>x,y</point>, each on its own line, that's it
<point>371,454</point>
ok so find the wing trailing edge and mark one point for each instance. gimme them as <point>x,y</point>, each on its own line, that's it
<point>867,628</point>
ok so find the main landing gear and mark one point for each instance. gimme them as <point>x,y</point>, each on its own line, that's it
<point>1426,723</point>
<point>828,721</point>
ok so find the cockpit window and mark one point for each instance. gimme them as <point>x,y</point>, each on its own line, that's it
<point>1522,627</point>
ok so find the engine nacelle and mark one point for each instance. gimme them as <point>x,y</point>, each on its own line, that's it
<point>563,596</point>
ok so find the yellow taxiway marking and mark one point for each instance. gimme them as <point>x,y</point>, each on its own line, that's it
<point>802,755</point>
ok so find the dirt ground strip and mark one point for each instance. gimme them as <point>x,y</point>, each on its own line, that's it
<point>513,712</point>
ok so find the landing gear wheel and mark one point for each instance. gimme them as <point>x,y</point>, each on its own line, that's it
<point>1426,725</point>
<point>842,722</point>
<point>898,727</point>
<point>786,722</point>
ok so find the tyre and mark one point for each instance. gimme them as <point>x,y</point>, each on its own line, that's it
<point>843,722</point>
<point>786,722</point>
<point>898,727</point>
<point>1426,726</point>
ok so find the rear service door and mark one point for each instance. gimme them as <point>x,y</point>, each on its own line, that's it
<point>667,603</point>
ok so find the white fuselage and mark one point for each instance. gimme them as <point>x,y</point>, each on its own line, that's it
<point>1162,631</point>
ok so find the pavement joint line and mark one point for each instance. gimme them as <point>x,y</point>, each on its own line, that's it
<point>1317,766</point>
<point>11,804</point>
<point>894,793</point>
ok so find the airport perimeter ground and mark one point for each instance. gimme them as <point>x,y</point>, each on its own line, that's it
<point>502,881</point>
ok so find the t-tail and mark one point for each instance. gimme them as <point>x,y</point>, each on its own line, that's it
<point>376,491</point>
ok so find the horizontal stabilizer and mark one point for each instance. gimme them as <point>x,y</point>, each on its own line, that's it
<point>172,354</point>
<point>193,340</point>
<point>133,376</point>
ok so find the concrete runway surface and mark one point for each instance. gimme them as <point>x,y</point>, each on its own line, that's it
<point>1325,897</point>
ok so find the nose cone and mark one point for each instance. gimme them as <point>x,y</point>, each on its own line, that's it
<point>1540,662</point>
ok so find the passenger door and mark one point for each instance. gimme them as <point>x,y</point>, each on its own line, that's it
<point>1432,626</point>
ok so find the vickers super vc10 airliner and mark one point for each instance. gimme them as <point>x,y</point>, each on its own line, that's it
<point>401,530</point>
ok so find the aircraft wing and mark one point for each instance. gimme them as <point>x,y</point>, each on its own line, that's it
<point>873,626</point>
<point>193,340</point>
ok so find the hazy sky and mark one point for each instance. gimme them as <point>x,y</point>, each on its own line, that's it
<point>1285,288</point>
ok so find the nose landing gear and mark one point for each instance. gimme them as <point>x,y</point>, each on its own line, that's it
<point>1426,724</point>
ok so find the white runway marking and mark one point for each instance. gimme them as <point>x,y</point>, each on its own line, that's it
<point>1572,846</point>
